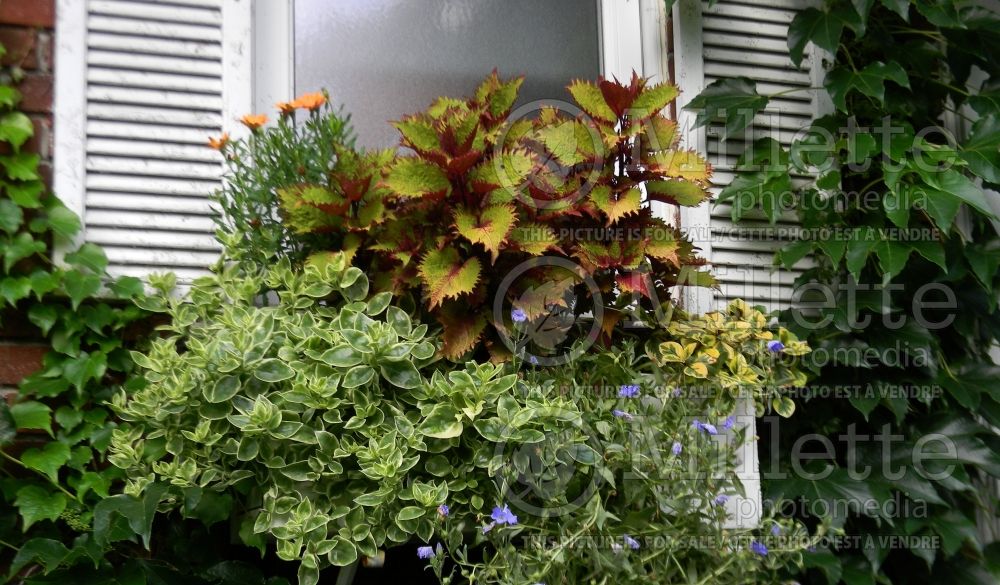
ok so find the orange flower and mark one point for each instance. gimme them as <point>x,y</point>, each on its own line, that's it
<point>286,108</point>
<point>254,121</point>
<point>310,101</point>
<point>220,142</point>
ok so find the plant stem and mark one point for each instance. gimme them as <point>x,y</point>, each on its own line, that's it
<point>54,483</point>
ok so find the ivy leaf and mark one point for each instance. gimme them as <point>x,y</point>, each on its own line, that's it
<point>733,99</point>
<point>89,256</point>
<point>138,513</point>
<point>11,216</point>
<point>47,553</point>
<point>9,96</point>
<point>900,7</point>
<point>43,282</point>
<point>80,286</point>
<point>32,415</point>
<point>932,251</point>
<point>413,177</point>
<point>858,249</point>
<point>43,317</point>
<point>627,203</point>
<point>892,256</point>
<point>982,149</point>
<point>589,97</point>
<point>26,194</point>
<point>836,489</point>
<point>870,81</point>
<point>20,247</point>
<point>490,228</point>
<point>127,287</point>
<point>63,222</point>
<point>764,189</point>
<point>22,166</point>
<point>47,460</point>
<point>445,275</point>
<point>955,184</point>
<point>863,8</point>
<point>36,503</point>
<point>941,206</point>
<point>825,561</point>
<point>15,288</point>
<point>16,128</point>
<point>819,26</point>
<point>943,13</point>
<point>85,367</point>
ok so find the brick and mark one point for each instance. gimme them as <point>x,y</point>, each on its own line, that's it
<point>20,44</point>
<point>28,12</point>
<point>18,361</point>
<point>36,89</point>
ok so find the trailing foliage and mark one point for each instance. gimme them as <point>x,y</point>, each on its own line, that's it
<point>328,423</point>
<point>910,321</point>
<point>485,192</point>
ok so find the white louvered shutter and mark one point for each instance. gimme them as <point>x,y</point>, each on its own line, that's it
<point>745,39</point>
<point>160,78</point>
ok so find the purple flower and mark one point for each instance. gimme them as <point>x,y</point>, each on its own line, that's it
<point>775,346</point>
<point>676,448</point>
<point>631,542</point>
<point>776,530</point>
<point>677,392</point>
<point>443,510</point>
<point>503,515</point>
<point>622,414</point>
<point>628,391</point>
<point>708,428</point>
<point>730,421</point>
<point>518,316</point>
<point>533,360</point>
<point>811,549</point>
<point>489,527</point>
<point>617,548</point>
<point>758,548</point>
<point>721,499</point>
<point>425,552</point>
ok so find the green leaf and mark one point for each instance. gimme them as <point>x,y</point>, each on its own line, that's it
<point>358,376</point>
<point>982,149</point>
<point>138,512</point>
<point>43,316</point>
<point>892,256</point>
<point>80,286</point>
<point>955,184</point>
<point>589,97</point>
<point>63,221</point>
<point>222,390</point>
<point>47,460</point>
<point>442,422</point>
<point>832,490</point>
<point>931,250</point>
<point>43,282</point>
<point>445,275</point>
<point>9,96</point>
<point>13,289</point>
<point>22,166</point>
<point>858,249</point>
<point>413,177</point>
<point>32,415</point>
<point>825,561</point>
<point>26,194</point>
<point>870,81</point>
<point>401,373</point>
<point>11,216</point>
<point>36,503</point>
<point>127,287</point>
<point>900,7</point>
<point>615,206</point>
<point>410,513</point>
<point>19,248</point>
<point>8,428</point>
<point>677,192</point>
<point>652,99</point>
<point>85,367</point>
<point>820,27</point>
<point>490,227</point>
<point>733,99</point>
<point>343,553</point>
<point>45,552</point>
<point>16,128</point>
<point>273,370</point>
<point>89,256</point>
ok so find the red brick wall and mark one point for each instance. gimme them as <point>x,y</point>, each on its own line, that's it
<point>26,31</point>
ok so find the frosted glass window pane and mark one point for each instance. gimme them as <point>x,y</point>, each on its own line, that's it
<point>386,58</point>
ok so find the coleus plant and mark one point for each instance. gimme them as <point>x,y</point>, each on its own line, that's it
<point>485,192</point>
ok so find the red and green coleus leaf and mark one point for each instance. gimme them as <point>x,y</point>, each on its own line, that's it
<point>681,164</point>
<point>302,214</point>
<point>570,142</point>
<point>414,177</point>
<point>418,133</point>
<point>489,226</point>
<point>591,100</point>
<point>618,96</point>
<point>616,205</point>
<point>507,170</point>
<point>446,275</point>
<point>662,243</point>
<point>634,282</point>
<point>498,96</point>
<point>595,255</point>
<point>677,192</point>
<point>533,238</point>
<point>542,289</point>
<point>463,326</point>
<point>653,99</point>
<point>658,133</point>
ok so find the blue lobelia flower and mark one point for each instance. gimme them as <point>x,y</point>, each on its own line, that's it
<point>503,515</point>
<point>628,391</point>
<point>425,552</point>
<point>443,510</point>
<point>775,346</point>
<point>730,421</point>
<point>622,414</point>
<point>721,499</point>
<point>676,448</point>
<point>758,548</point>
<point>776,530</point>
<point>518,316</point>
<point>631,542</point>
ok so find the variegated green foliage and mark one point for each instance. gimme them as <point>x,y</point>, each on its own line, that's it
<point>483,192</point>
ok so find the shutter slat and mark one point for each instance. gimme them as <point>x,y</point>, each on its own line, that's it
<point>722,24</point>
<point>118,218</point>
<point>209,121</point>
<point>146,202</point>
<point>138,62</point>
<point>145,167</point>
<point>168,99</point>
<point>126,184</point>
<point>158,12</point>
<point>152,149</point>
<point>154,80</point>
<point>146,132</point>
<point>151,28</point>
<point>750,14</point>
<point>147,238</point>
<point>151,46</point>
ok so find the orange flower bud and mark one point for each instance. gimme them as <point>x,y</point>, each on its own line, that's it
<point>254,121</point>
<point>220,142</point>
